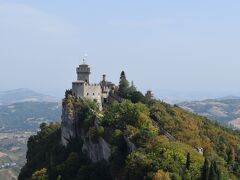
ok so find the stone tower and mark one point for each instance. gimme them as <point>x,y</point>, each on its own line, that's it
<point>83,73</point>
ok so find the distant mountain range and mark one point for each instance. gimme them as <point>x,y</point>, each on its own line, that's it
<point>224,110</point>
<point>27,116</point>
<point>24,110</point>
<point>24,95</point>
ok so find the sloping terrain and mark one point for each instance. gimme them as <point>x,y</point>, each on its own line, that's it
<point>147,140</point>
<point>224,111</point>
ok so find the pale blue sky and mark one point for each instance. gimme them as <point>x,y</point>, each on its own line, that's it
<point>177,48</point>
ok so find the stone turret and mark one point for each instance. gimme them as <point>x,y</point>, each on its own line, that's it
<point>83,73</point>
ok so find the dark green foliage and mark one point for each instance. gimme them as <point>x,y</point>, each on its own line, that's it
<point>148,139</point>
<point>188,162</point>
<point>69,168</point>
<point>68,92</point>
<point>214,173</point>
<point>138,166</point>
<point>131,93</point>
<point>43,149</point>
<point>205,170</point>
<point>123,85</point>
<point>136,96</point>
<point>98,171</point>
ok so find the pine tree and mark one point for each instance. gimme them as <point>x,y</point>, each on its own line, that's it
<point>123,85</point>
<point>205,170</point>
<point>188,162</point>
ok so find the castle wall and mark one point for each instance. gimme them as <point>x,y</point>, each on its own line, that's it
<point>84,90</point>
<point>93,92</point>
<point>78,89</point>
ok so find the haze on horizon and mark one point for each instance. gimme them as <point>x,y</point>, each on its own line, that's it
<point>179,49</point>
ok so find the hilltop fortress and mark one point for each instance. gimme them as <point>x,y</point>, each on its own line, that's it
<point>71,126</point>
<point>82,88</point>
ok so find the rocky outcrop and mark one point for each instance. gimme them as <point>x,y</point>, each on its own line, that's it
<point>97,151</point>
<point>70,129</point>
<point>68,125</point>
<point>130,145</point>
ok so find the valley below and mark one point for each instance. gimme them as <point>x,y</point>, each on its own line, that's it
<point>21,113</point>
<point>12,153</point>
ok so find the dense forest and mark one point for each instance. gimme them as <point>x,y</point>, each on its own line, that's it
<point>149,139</point>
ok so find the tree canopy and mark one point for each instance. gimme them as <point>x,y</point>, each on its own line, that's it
<point>149,139</point>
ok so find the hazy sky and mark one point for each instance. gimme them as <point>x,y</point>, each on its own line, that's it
<point>177,48</point>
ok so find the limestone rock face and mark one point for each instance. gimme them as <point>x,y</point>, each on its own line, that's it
<point>130,145</point>
<point>70,129</point>
<point>97,151</point>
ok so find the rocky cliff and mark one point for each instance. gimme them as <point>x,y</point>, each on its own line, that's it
<point>68,125</point>
<point>72,127</point>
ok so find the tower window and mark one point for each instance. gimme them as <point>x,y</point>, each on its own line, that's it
<point>93,94</point>
<point>105,100</point>
<point>87,94</point>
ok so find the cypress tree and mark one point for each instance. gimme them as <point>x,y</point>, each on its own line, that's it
<point>123,85</point>
<point>213,174</point>
<point>188,162</point>
<point>205,170</point>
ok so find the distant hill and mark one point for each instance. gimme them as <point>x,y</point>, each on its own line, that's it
<point>223,110</point>
<point>229,97</point>
<point>26,116</point>
<point>24,95</point>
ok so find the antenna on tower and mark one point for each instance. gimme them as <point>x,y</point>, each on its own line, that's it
<point>85,58</point>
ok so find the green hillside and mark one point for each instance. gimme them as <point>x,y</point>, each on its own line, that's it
<point>148,139</point>
<point>155,155</point>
